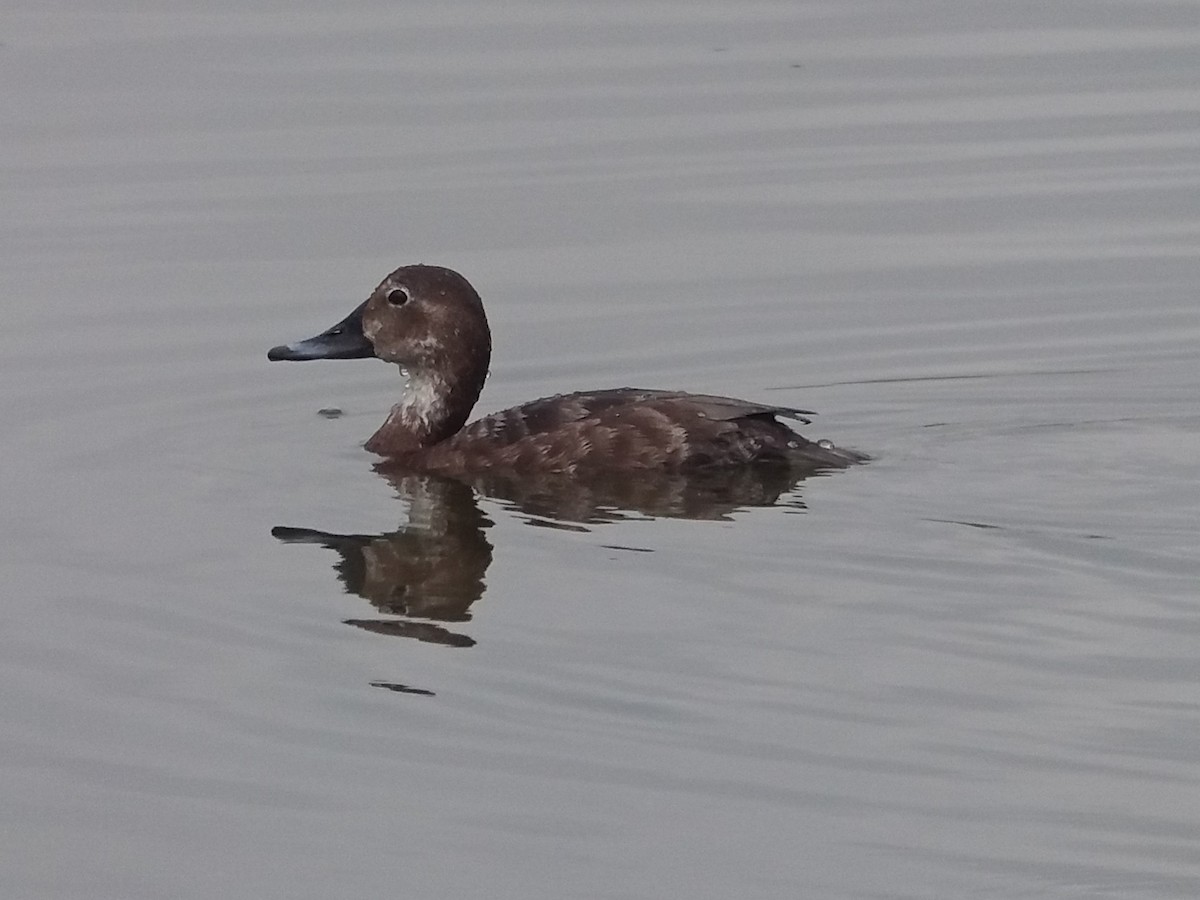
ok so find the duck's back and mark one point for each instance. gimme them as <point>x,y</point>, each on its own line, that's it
<point>630,428</point>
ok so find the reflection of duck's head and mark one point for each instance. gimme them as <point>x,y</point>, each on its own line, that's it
<point>430,322</point>
<point>432,568</point>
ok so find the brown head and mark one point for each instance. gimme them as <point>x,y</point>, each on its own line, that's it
<point>429,321</point>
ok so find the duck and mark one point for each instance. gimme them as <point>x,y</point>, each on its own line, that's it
<point>430,322</point>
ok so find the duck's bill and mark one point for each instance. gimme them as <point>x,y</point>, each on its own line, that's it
<point>345,340</point>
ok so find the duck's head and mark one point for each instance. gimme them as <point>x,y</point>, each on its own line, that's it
<point>429,321</point>
<point>422,318</point>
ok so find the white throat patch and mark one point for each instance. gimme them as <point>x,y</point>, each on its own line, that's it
<point>424,396</point>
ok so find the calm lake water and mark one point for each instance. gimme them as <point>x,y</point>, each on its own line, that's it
<point>238,662</point>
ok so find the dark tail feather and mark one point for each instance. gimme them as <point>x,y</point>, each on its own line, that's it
<point>824,455</point>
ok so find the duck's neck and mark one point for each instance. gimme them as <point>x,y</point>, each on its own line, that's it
<point>434,408</point>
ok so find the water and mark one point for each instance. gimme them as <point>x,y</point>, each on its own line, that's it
<point>965,233</point>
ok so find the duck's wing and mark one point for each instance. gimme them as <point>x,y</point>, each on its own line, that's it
<point>551,414</point>
<point>720,408</point>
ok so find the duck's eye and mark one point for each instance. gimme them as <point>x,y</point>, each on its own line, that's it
<point>397,296</point>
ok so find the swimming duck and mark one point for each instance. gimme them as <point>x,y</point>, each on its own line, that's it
<point>429,321</point>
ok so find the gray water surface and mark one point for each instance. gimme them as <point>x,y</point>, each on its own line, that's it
<point>966,233</point>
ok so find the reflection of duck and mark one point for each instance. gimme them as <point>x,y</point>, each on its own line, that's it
<point>430,322</point>
<point>592,497</point>
<point>432,570</point>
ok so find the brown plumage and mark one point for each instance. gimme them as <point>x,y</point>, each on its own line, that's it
<point>430,321</point>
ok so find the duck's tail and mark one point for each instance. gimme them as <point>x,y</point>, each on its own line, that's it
<point>824,455</point>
